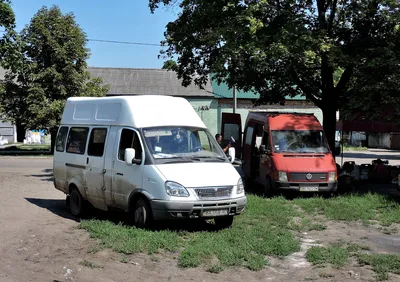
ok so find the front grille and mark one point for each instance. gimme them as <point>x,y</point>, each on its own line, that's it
<point>214,192</point>
<point>303,176</point>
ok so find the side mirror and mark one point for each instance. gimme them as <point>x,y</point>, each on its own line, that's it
<point>130,157</point>
<point>232,154</point>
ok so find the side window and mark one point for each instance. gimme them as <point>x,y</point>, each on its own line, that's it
<point>77,139</point>
<point>97,142</point>
<point>129,139</point>
<point>61,138</point>
<point>249,135</point>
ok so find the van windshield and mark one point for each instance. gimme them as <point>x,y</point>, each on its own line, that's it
<point>299,141</point>
<point>182,144</point>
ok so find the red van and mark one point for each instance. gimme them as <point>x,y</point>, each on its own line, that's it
<point>283,151</point>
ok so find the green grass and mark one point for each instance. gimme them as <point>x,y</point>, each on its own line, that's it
<point>266,228</point>
<point>89,264</point>
<point>382,264</point>
<point>335,255</point>
<point>263,230</point>
<point>353,208</point>
<point>306,225</point>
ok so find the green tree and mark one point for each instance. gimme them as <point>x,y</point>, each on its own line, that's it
<point>170,65</point>
<point>49,67</point>
<point>332,52</point>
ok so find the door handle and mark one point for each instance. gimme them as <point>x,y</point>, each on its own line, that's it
<point>119,173</point>
<point>87,160</point>
<point>103,171</point>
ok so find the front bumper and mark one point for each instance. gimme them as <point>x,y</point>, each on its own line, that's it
<point>179,209</point>
<point>296,186</point>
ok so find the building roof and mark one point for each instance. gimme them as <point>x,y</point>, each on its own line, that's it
<point>129,81</point>
<point>222,91</point>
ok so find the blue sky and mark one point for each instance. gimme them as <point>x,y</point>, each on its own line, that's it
<point>119,20</point>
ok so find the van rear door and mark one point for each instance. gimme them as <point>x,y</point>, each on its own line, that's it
<point>231,126</point>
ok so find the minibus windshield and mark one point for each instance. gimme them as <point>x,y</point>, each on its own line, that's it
<point>299,141</point>
<point>182,144</point>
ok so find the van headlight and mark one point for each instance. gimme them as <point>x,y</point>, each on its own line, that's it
<point>332,176</point>
<point>240,187</point>
<point>283,176</point>
<point>175,189</point>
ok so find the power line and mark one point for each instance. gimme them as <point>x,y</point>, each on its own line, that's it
<point>124,42</point>
<point>119,42</point>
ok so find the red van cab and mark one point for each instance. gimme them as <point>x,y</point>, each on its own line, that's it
<point>283,151</point>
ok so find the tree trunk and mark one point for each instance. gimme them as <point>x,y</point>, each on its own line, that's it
<point>53,131</point>
<point>329,124</point>
<point>20,132</point>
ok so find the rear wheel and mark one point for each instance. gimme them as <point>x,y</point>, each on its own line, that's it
<point>141,215</point>
<point>223,222</point>
<point>76,203</point>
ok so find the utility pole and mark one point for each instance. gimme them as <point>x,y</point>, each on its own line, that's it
<point>234,100</point>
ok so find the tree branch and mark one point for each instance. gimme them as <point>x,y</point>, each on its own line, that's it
<point>344,79</point>
<point>306,90</point>
<point>332,17</point>
<point>321,13</point>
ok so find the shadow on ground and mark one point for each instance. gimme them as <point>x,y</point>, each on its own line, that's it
<point>59,208</point>
<point>387,189</point>
<point>46,175</point>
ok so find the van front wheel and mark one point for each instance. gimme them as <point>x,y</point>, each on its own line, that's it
<point>223,222</point>
<point>141,214</point>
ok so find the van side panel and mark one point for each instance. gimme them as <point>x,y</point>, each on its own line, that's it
<point>109,156</point>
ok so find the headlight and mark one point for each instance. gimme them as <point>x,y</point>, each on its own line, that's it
<point>175,189</point>
<point>332,176</point>
<point>240,187</point>
<point>283,176</point>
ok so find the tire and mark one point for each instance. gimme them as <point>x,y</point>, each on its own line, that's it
<point>141,214</point>
<point>76,203</point>
<point>223,222</point>
<point>268,188</point>
<point>67,201</point>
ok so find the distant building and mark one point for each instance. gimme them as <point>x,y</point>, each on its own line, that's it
<point>209,102</point>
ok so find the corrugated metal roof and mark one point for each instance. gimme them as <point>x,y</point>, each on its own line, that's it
<point>129,81</point>
<point>222,91</point>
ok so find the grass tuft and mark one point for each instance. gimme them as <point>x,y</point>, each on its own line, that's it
<point>382,264</point>
<point>334,255</point>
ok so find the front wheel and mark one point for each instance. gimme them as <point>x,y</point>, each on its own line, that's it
<point>141,213</point>
<point>223,222</point>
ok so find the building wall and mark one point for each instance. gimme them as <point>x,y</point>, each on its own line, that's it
<point>8,131</point>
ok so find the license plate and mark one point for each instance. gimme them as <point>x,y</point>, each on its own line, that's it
<point>215,212</point>
<point>313,188</point>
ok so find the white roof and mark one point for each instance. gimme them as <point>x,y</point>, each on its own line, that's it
<point>136,111</point>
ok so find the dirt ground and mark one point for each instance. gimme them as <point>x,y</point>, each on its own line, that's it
<point>40,241</point>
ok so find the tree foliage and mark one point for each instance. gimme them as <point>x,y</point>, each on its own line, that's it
<point>170,65</point>
<point>336,53</point>
<point>45,64</point>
